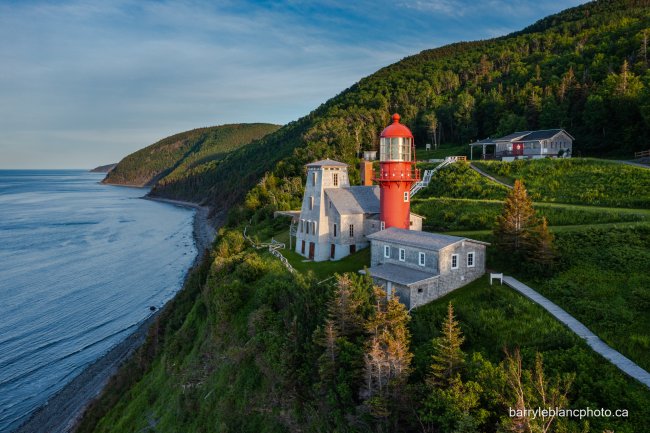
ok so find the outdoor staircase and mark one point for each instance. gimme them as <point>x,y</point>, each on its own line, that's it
<point>428,174</point>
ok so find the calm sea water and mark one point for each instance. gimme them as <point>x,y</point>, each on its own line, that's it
<point>80,264</point>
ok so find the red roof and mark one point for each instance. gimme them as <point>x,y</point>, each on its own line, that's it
<point>396,129</point>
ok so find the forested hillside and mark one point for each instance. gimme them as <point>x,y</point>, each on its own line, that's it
<point>185,154</point>
<point>584,69</point>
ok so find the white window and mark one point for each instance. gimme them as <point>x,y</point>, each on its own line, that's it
<point>406,196</point>
<point>387,251</point>
<point>307,224</point>
<point>422,259</point>
<point>336,179</point>
<point>402,255</point>
<point>334,230</point>
<point>313,227</point>
<point>311,202</point>
<point>470,260</point>
<point>313,178</point>
<point>302,226</point>
<point>382,225</point>
<point>454,261</point>
<point>351,230</point>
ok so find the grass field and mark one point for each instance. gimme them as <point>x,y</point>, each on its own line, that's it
<point>577,180</point>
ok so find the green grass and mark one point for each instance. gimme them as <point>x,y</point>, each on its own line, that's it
<point>451,214</point>
<point>443,151</point>
<point>458,180</point>
<point>577,180</point>
<point>494,317</point>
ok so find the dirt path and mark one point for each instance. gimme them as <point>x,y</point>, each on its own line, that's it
<point>64,409</point>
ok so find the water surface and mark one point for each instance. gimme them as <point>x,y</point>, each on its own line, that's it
<point>80,265</point>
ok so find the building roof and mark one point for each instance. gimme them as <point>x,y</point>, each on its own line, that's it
<point>327,163</point>
<point>399,274</point>
<point>413,238</point>
<point>482,142</point>
<point>515,136</point>
<point>355,199</point>
<point>542,134</point>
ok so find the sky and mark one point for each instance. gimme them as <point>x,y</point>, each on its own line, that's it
<point>84,83</point>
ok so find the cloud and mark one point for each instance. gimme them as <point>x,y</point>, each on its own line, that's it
<point>76,75</point>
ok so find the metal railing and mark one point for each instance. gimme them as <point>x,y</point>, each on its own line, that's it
<point>428,174</point>
<point>642,154</point>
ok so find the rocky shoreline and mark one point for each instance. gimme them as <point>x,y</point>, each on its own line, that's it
<point>64,409</point>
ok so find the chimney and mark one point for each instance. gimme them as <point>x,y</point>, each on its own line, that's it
<point>366,167</point>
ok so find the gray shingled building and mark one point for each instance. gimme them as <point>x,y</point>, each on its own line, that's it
<point>420,267</point>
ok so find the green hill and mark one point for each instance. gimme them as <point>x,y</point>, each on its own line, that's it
<point>585,69</point>
<point>183,154</point>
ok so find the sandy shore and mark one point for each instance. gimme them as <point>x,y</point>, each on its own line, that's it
<point>64,409</point>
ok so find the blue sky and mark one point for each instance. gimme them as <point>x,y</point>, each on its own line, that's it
<point>84,83</point>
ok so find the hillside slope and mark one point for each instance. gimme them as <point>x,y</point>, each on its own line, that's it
<point>584,69</point>
<point>183,152</point>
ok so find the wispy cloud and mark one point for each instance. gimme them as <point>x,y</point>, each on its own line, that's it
<point>86,82</point>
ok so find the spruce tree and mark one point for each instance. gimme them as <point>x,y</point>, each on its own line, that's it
<point>448,357</point>
<point>518,217</point>
<point>540,248</point>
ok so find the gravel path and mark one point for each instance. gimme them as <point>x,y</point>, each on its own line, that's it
<point>63,410</point>
<point>624,364</point>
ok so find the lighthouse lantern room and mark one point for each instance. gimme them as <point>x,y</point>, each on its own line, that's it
<point>397,174</point>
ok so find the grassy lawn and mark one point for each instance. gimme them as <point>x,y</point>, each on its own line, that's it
<point>442,151</point>
<point>452,214</point>
<point>495,317</point>
<point>577,180</point>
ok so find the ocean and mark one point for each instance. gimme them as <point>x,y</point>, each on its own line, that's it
<point>80,265</point>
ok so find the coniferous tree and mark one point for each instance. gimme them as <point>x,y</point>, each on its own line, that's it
<point>513,226</point>
<point>448,357</point>
<point>540,248</point>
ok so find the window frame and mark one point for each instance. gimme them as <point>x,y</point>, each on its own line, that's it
<point>335,229</point>
<point>335,179</point>
<point>471,254</point>
<point>402,255</point>
<point>311,202</point>
<point>454,258</point>
<point>406,196</point>
<point>351,230</point>
<point>387,251</point>
<point>422,258</point>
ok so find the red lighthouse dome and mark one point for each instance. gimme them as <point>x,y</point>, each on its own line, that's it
<point>397,174</point>
<point>396,129</point>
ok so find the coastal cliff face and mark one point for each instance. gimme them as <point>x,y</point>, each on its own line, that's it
<point>184,154</point>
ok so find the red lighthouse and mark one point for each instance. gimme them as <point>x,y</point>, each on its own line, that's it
<point>397,174</point>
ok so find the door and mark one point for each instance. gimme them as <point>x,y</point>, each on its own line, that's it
<point>353,249</point>
<point>302,248</point>
<point>312,247</point>
<point>517,149</point>
<point>332,251</point>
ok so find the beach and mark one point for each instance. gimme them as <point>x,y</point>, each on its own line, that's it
<point>65,408</point>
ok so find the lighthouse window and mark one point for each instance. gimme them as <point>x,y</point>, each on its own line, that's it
<point>402,255</point>
<point>394,147</point>
<point>351,230</point>
<point>336,179</point>
<point>454,261</point>
<point>406,196</point>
